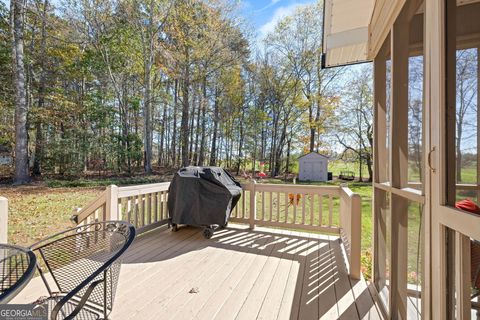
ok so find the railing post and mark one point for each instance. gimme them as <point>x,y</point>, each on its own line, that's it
<point>253,204</point>
<point>3,220</point>
<point>355,236</point>
<point>111,207</point>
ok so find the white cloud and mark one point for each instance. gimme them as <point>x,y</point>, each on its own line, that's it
<point>278,15</point>
<point>272,3</point>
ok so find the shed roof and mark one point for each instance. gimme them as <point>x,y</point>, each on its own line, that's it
<point>316,153</point>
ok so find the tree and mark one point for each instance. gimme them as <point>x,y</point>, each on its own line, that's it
<point>466,109</point>
<point>105,84</point>
<point>39,141</point>
<point>354,120</point>
<point>297,39</point>
<point>21,135</point>
<point>150,18</point>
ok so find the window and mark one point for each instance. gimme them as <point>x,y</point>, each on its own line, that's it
<point>399,178</point>
<point>462,153</point>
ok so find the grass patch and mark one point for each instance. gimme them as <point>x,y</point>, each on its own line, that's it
<point>338,166</point>
<point>37,212</point>
<point>103,182</point>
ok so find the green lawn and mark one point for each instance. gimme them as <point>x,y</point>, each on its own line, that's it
<point>338,166</point>
<point>36,212</point>
<point>469,174</point>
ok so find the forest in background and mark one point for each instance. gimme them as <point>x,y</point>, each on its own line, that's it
<point>124,85</point>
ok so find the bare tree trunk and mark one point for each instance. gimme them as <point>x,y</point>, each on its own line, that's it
<point>174,135</point>
<point>287,165</point>
<point>201,157</point>
<point>197,129</point>
<point>185,115</point>
<point>147,115</point>
<point>37,170</point>
<point>458,146</point>
<point>240,144</point>
<point>148,125</point>
<point>360,163</point>
<point>213,151</point>
<point>191,127</point>
<point>163,121</point>
<point>21,137</point>
<point>311,120</point>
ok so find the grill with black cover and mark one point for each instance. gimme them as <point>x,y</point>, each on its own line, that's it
<point>202,196</point>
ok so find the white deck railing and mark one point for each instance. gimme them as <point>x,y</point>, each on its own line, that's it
<point>324,209</point>
<point>145,206</point>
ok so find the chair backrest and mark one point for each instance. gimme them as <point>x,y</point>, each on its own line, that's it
<point>77,257</point>
<point>17,266</point>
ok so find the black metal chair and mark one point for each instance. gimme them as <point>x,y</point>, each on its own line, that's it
<point>17,266</point>
<point>83,266</point>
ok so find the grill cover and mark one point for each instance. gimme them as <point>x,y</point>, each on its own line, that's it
<point>202,196</point>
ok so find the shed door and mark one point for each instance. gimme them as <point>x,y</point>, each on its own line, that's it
<point>313,170</point>
<point>307,170</point>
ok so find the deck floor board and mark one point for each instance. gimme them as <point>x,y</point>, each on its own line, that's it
<point>238,274</point>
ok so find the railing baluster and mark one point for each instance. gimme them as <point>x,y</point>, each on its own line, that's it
<point>165,203</point>
<point>287,205</point>
<point>312,200</point>
<point>136,199</point>
<point>271,207</point>
<point>162,195</point>
<point>294,208</point>
<point>303,199</point>
<point>244,203</point>
<point>142,209</point>
<point>155,206</point>
<point>263,206</point>
<point>148,208</point>
<point>120,208</point>
<point>129,209</point>
<point>277,218</point>
<point>320,209</point>
<point>330,210</point>
<point>160,206</point>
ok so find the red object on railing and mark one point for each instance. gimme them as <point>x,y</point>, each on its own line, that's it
<point>262,175</point>
<point>470,206</point>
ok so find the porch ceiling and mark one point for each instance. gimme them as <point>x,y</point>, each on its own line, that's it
<point>346,32</point>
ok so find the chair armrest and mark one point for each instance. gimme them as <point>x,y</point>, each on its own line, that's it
<point>80,305</point>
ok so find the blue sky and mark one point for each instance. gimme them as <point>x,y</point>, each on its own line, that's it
<point>264,14</point>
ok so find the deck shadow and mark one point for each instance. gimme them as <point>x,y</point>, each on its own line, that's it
<point>323,288</point>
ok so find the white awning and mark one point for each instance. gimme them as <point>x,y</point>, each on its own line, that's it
<point>345,39</point>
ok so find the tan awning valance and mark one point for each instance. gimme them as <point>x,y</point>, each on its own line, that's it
<point>345,39</point>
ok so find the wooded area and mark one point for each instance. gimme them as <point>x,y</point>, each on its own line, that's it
<point>116,85</point>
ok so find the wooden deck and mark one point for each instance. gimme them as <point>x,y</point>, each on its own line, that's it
<point>238,274</point>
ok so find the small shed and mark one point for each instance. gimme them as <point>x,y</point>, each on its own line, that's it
<point>313,166</point>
